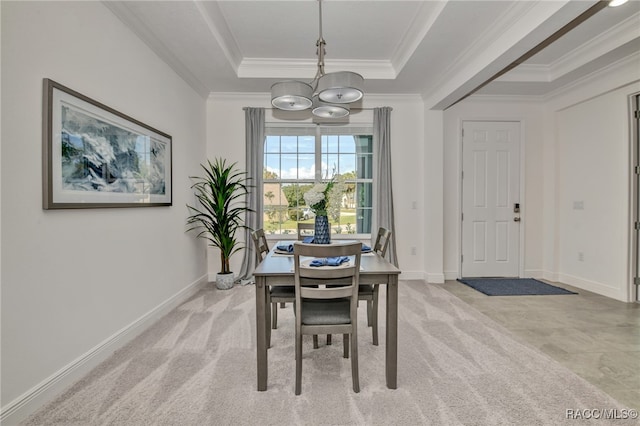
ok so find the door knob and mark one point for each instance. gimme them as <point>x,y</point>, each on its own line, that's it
<point>516,219</point>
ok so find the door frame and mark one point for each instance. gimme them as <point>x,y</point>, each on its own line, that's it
<point>523,202</point>
<point>634,198</point>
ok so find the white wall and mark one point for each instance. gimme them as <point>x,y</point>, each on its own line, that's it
<point>434,196</point>
<point>576,148</point>
<point>225,124</point>
<point>592,161</point>
<point>591,141</point>
<point>74,280</point>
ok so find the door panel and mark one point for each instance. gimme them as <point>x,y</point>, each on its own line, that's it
<point>490,190</point>
<point>502,235</point>
<point>480,242</point>
<point>480,179</point>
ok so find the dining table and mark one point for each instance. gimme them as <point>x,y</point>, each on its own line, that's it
<point>277,269</point>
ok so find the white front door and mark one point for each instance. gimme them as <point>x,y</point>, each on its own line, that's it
<point>490,199</point>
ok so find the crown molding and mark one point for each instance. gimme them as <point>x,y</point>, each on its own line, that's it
<point>247,96</point>
<point>527,73</point>
<point>495,34</point>
<point>505,98</point>
<point>263,98</point>
<point>514,25</point>
<point>619,73</point>
<point>369,69</point>
<point>572,93</point>
<point>306,68</point>
<point>626,31</point>
<point>142,31</point>
<point>416,32</point>
<point>603,43</point>
<point>213,17</point>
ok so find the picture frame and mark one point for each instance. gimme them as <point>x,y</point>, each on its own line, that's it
<point>97,157</point>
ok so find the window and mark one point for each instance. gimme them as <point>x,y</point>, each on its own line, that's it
<point>295,158</point>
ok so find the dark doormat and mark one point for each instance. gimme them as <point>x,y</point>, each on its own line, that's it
<point>513,286</point>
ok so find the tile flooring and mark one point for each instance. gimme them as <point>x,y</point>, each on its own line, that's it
<point>596,337</point>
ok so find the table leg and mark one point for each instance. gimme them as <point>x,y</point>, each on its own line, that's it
<point>391,366</point>
<point>261,332</point>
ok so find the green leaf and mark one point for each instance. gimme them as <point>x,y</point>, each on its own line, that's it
<point>221,193</point>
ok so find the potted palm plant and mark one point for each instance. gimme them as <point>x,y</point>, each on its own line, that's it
<point>222,206</point>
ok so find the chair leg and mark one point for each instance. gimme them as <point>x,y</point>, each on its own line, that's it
<point>274,316</point>
<point>374,315</point>
<point>345,339</point>
<point>283,305</point>
<point>328,339</point>
<point>315,341</point>
<point>354,361</point>
<point>369,312</point>
<point>298,363</point>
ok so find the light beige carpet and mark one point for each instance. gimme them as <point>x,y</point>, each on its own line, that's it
<point>197,366</point>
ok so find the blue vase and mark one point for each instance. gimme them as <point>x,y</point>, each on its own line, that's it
<point>322,231</point>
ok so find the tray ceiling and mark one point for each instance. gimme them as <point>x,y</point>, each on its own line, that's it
<point>441,50</point>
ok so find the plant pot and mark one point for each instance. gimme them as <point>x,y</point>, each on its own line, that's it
<point>224,281</point>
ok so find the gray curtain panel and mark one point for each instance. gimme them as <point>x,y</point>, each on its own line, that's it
<point>254,137</point>
<point>384,209</point>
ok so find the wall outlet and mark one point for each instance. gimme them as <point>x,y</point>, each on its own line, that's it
<point>581,256</point>
<point>413,251</point>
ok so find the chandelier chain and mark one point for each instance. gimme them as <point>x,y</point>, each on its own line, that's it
<point>328,95</point>
<point>320,50</point>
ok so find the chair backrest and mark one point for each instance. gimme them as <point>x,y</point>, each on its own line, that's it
<point>260,241</point>
<point>305,230</point>
<point>382,241</point>
<point>346,275</point>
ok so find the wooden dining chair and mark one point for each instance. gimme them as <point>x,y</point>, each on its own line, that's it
<point>370,292</point>
<point>308,230</point>
<point>325,309</point>
<point>276,294</point>
<point>305,230</point>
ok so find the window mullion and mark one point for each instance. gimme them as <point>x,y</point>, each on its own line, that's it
<point>357,215</point>
<point>318,156</point>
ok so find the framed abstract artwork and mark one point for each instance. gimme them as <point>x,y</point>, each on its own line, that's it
<point>95,156</point>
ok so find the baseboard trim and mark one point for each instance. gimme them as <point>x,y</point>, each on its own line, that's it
<point>594,287</point>
<point>528,273</point>
<point>435,278</point>
<point>550,276</point>
<point>533,273</point>
<point>411,275</point>
<point>450,275</point>
<point>29,402</point>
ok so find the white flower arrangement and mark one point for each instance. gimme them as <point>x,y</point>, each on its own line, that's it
<point>318,197</point>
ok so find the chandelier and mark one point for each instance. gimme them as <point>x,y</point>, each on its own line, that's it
<point>328,95</point>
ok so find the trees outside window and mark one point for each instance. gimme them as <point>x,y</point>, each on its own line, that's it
<point>295,158</point>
